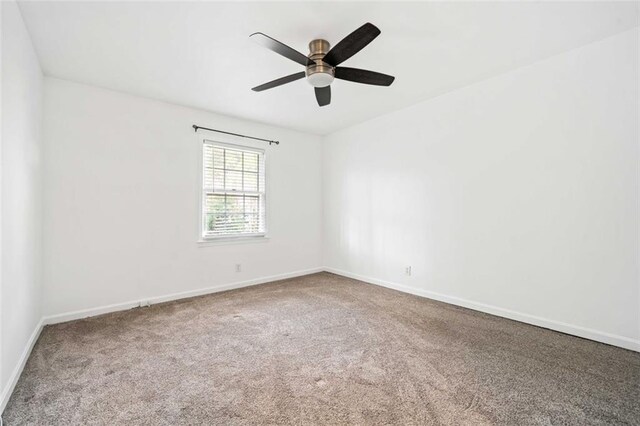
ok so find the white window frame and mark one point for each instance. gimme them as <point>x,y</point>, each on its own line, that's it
<point>203,238</point>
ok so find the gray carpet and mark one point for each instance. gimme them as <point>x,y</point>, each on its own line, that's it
<point>320,349</point>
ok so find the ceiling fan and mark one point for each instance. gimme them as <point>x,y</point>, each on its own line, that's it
<point>322,63</point>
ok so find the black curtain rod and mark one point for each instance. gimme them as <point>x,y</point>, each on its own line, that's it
<point>196,127</point>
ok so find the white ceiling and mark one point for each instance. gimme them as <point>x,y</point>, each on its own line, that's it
<point>199,54</point>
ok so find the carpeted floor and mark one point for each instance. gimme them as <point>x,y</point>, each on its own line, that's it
<point>320,349</point>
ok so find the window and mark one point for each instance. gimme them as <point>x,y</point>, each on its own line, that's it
<point>233,194</point>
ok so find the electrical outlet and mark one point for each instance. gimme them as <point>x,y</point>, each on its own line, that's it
<point>407,271</point>
<point>238,267</point>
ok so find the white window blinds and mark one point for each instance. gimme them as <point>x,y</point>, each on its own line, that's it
<point>233,191</point>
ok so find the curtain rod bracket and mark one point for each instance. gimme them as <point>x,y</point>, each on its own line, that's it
<point>196,127</point>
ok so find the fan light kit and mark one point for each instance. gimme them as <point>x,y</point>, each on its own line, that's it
<point>321,65</point>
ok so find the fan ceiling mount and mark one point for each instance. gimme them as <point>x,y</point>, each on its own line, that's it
<point>321,65</point>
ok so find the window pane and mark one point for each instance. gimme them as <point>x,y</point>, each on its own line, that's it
<point>208,178</point>
<point>252,224</point>
<point>233,180</point>
<point>250,181</point>
<point>215,204</point>
<point>251,204</point>
<point>218,158</point>
<point>207,151</point>
<point>235,204</point>
<point>233,160</point>
<point>218,179</point>
<point>250,161</point>
<point>210,222</point>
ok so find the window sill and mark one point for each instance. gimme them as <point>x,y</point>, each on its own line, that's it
<point>206,242</point>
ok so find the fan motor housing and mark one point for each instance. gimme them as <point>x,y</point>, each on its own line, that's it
<point>319,74</point>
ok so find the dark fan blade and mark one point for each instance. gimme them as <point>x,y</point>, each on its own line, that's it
<point>279,82</point>
<point>323,95</point>
<point>281,49</point>
<point>363,76</point>
<point>351,44</point>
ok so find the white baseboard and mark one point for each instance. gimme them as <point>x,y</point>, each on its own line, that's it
<point>587,333</point>
<point>99,310</point>
<point>17,371</point>
<point>599,336</point>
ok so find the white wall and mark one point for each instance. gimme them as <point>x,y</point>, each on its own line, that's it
<point>122,193</point>
<point>21,193</point>
<point>517,195</point>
